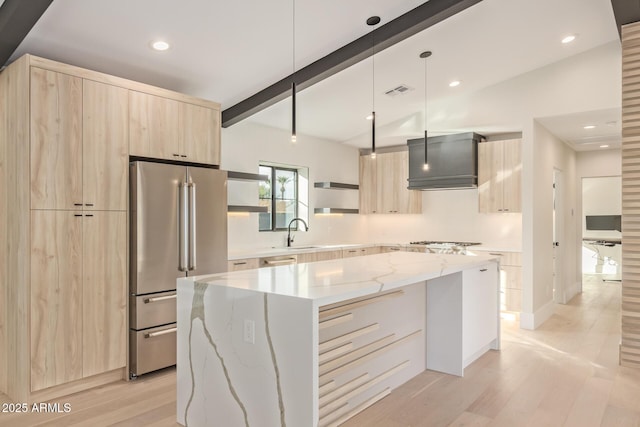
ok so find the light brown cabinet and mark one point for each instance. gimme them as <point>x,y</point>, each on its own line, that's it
<point>383,185</point>
<point>353,252</point>
<point>78,295</point>
<point>105,157</point>
<point>78,147</point>
<point>318,256</point>
<point>242,264</point>
<point>169,129</point>
<point>56,140</point>
<point>104,292</point>
<point>56,298</point>
<point>499,176</point>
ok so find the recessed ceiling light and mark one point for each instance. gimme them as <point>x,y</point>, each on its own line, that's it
<point>604,146</point>
<point>369,117</point>
<point>160,45</point>
<point>589,127</point>
<point>454,83</point>
<point>568,39</point>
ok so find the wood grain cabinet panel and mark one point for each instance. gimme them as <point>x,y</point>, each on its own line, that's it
<point>56,140</point>
<point>243,264</point>
<point>104,292</point>
<point>154,126</point>
<point>383,185</point>
<point>56,298</point>
<point>200,133</point>
<point>499,176</point>
<point>368,191</point>
<point>105,156</point>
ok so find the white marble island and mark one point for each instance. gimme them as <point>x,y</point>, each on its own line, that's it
<point>312,344</point>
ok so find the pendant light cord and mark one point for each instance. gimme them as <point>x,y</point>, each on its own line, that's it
<point>293,74</point>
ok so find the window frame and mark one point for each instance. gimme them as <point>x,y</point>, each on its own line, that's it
<point>274,199</point>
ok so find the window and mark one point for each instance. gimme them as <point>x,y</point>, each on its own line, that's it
<point>284,194</point>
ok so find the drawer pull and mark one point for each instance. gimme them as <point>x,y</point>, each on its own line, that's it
<point>483,270</point>
<point>280,261</point>
<point>158,299</point>
<point>77,204</point>
<point>495,254</point>
<point>88,204</point>
<point>89,215</point>
<point>77,214</point>
<point>162,332</point>
<point>240,263</point>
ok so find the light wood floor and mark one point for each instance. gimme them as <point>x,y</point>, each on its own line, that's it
<point>565,373</point>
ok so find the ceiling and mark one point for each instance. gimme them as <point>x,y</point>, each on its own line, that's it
<point>226,51</point>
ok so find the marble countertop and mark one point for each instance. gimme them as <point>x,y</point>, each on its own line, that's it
<point>326,282</point>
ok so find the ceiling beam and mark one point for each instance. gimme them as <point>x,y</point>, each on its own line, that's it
<point>17,17</point>
<point>625,12</point>
<point>412,22</point>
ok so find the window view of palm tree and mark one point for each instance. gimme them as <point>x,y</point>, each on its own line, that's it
<point>280,194</point>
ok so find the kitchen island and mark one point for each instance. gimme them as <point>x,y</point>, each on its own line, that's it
<point>313,344</point>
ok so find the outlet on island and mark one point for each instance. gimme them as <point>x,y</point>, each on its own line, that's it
<point>249,331</point>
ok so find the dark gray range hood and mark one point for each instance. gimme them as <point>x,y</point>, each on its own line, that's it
<point>453,162</point>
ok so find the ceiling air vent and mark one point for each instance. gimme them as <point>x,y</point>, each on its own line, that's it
<point>398,90</point>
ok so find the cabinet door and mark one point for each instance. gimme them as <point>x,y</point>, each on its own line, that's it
<point>386,182</point>
<point>104,292</point>
<point>490,192</point>
<point>243,264</point>
<point>56,140</point>
<point>368,187</point>
<point>512,174</point>
<point>201,133</point>
<point>56,298</point>
<point>153,126</point>
<point>105,149</point>
<point>409,201</point>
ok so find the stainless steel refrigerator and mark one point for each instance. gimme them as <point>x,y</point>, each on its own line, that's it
<point>178,228</point>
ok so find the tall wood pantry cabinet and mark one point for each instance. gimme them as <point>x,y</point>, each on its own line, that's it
<point>66,135</point>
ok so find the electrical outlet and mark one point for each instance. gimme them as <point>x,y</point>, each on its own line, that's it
<point>249,334</point>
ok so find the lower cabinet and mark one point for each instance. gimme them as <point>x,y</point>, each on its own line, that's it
<point>319,256</point>
<point>78,295</point>
<point>243,264</point>
<point>510,279</point>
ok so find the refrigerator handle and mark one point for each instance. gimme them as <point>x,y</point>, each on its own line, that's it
<point>192,226</point>
<point>182,226</point>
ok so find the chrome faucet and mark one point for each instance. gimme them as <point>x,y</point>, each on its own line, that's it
<point>289,238</point>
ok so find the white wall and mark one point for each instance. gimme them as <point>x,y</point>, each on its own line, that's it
<point>450,215</point>
<point>544,153</point>
<point>245,145</point>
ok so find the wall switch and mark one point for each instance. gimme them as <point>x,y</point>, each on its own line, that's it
<point>249,334</point>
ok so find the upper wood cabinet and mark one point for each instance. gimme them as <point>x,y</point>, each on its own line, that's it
<point>499,176</point>
<point>200,133</point>
<point>169,129</point>
<point>383,185</point>
<point>78,143</point>
<point>105,157</point>
<point>56,140</point>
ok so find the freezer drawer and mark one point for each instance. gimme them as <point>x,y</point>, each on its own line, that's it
<point>146,311</point>
<point>152,349</point>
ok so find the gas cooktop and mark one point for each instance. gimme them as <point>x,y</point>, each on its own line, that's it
<point>435,242</point>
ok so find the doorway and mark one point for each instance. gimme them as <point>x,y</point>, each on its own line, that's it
<point>559,295</point>
<point>601,229</point>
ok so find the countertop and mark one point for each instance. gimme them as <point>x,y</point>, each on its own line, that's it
<point>326,282</point>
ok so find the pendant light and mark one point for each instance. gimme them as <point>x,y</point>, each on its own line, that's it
<point>373,21</point>
<point>424,55</point>
<point>293,77</point>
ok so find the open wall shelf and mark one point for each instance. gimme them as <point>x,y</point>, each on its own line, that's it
<point>329,185</point>
<point>242,208</point>
<point>335,211</point>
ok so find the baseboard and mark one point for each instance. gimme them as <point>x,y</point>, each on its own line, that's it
<point>572,292</point>
<point>532,321</point>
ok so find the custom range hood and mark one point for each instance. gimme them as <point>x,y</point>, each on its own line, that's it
<point>453,162</point>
